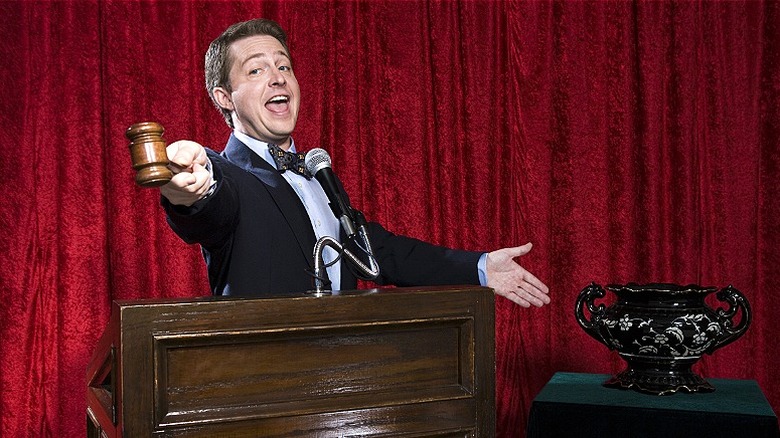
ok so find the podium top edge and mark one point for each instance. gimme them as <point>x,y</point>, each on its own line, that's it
<point>302,295</point>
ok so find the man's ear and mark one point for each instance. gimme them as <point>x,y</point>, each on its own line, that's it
<point>222,97</point>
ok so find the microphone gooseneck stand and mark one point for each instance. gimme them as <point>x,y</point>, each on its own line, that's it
<point>364,272</point>
<point>317,162</point>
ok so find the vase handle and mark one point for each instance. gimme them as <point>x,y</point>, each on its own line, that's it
<point>597,312</point>
<point>736,301</point>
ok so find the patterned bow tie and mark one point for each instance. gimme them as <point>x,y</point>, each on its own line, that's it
<point>289,161</point>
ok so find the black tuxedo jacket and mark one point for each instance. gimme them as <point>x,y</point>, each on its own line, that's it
<point>257,238</point>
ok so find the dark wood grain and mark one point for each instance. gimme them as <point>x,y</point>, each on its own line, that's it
<point>394,362</point>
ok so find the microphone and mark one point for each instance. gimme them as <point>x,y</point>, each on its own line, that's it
<point>318,164</point>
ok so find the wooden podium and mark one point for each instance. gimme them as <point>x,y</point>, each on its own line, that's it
<point>410,362</point>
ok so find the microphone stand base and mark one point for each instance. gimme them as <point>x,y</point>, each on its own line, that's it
<point>319,293</point>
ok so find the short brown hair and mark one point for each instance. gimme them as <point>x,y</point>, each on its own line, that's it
<point>218,62</point>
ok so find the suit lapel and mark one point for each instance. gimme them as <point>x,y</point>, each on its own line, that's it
<point>283,195</point>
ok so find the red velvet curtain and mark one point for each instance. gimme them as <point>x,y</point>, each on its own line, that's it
<point>630,141</point>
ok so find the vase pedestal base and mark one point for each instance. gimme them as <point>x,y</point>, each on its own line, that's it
<point>659,377</point>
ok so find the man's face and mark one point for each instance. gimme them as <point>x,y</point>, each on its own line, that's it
<point>264,96</point>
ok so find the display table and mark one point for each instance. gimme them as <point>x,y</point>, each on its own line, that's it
<point>577,405</point>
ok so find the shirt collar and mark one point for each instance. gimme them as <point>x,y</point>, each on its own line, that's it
<point>260,147</point>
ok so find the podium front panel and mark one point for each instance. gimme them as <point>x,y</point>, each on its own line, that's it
<point>394,362</point>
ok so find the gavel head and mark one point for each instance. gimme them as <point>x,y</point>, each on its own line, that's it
<point>147,150</point>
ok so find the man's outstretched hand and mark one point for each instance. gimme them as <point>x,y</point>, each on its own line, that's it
<point>512,281</point>
<point>191,180</point>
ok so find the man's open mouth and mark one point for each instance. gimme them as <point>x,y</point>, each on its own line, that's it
<point>277,103</point>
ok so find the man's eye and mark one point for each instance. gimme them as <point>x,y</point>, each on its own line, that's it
<point>285,68</point>
<point>255,71</point>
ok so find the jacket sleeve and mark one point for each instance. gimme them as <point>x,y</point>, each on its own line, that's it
<point>405,261</point>
<point>209,221</point>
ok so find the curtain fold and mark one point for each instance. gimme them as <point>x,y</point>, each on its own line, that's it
<point>629,141</point>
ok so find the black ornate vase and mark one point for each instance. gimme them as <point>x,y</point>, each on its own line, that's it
<point>661,330</point>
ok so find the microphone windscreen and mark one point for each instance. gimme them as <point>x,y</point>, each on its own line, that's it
<point>316,160</point>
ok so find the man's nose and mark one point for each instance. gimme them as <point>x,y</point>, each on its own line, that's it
<point>277,77</point>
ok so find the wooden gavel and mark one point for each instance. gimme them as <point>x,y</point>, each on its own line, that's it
<point>147,150</point>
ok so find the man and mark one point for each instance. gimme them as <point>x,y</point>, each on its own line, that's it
<point>258,227</point>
